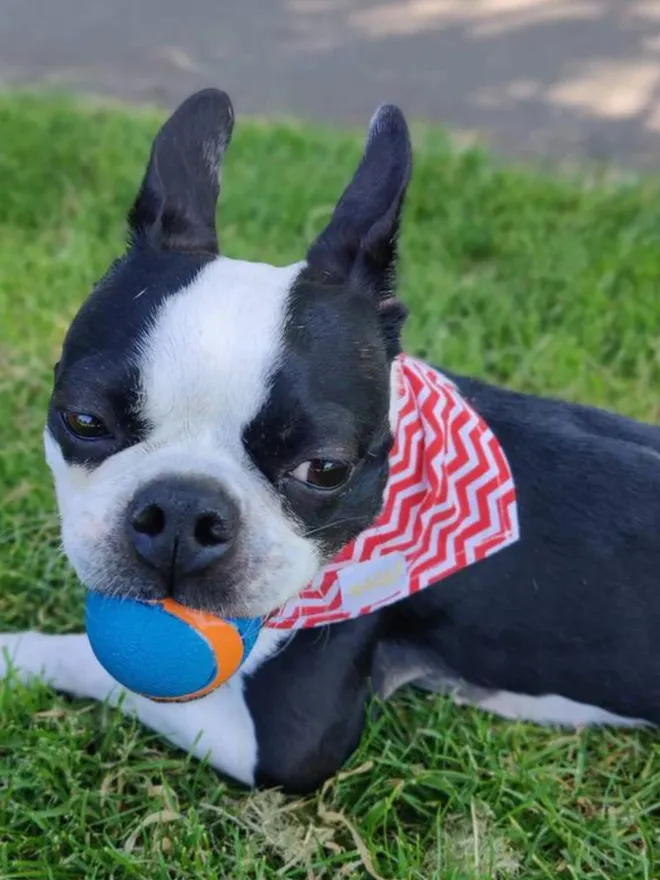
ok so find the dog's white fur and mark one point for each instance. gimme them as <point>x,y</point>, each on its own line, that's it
<point>218,727</point>
<point>205,366</point>
<point>204,369</point>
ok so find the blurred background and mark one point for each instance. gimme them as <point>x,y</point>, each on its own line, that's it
<point>545,78</point>
<point>539,277</point>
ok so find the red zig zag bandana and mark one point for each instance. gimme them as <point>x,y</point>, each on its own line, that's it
<point>450,501</point>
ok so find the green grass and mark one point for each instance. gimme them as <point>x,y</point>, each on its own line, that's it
<point>545,284</point>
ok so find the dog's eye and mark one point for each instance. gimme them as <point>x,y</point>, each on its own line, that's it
<point>85,426</point>
<point>322,473</point>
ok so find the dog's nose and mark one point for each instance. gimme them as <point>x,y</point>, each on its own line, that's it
<point>180,526</point>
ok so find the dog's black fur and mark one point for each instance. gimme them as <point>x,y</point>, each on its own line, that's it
<point>572,609</point>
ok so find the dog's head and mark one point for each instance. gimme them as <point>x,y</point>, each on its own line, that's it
<point>219,429</point>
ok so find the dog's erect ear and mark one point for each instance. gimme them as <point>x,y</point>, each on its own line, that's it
<point>176,206</point>
<point>361,237</point>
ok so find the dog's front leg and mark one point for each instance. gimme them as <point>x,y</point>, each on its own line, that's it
<point>218,726</point>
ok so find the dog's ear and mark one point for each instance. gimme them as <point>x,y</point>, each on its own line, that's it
<point>176,207</point>
<point>360,241</point>
<point>363,230</point>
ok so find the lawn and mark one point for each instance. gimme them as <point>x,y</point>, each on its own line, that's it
<point>545,283</point>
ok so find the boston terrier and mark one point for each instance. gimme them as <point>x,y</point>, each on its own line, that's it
<point>250,440</point>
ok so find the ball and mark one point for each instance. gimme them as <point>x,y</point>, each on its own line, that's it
<point>165,651</point>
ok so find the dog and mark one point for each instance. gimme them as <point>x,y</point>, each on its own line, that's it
<point>220,431</point>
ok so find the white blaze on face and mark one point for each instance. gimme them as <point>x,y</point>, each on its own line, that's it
<point>205,366</point>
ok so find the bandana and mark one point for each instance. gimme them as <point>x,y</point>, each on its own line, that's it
<point>450,501</point>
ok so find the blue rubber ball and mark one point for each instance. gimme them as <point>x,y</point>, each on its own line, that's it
<point>164,650</point>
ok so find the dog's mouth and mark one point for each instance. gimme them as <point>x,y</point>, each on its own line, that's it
<point>245,591</point>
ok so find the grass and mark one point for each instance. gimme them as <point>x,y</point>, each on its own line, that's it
<point>544,283</point>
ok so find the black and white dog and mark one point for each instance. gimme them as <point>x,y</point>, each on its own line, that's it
<point>259,398</point>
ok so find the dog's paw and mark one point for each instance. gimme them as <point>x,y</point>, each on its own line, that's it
<point>9,643</point>
<point>64,662</point>
<point>24,653</point>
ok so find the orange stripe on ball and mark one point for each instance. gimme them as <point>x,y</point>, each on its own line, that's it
<point>223,639</point>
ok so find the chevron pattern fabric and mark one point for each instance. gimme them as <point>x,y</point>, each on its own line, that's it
<point>450,501</point>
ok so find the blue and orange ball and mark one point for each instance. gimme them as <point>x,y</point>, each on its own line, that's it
<point>165,651</point>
